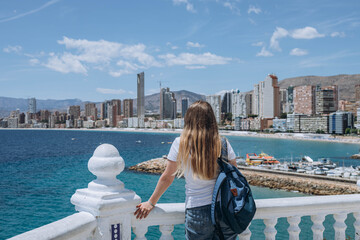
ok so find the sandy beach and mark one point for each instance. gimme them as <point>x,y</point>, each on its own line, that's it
<point>290,136</point>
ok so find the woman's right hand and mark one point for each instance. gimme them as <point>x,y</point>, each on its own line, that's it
<point>143,210</point>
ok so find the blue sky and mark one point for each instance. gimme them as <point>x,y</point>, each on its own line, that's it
<point>92,50</point>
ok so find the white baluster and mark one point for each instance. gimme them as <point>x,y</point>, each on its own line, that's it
<point>166,231</point>
<point>294,229</point>
<point>245,235</point>
<point>140,232</point>
<point>318,227</point>
<point>340,226</point>
<point>357,225</point>
<point>270,230</point>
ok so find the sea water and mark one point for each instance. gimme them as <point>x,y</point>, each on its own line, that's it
<point>41,169</point>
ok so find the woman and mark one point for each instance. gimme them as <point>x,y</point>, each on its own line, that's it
<point>194,155</point>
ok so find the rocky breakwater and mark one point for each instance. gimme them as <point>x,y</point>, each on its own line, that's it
<point>275,180</point>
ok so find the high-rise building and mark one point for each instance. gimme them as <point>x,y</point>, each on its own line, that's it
<point>184,106</point>
<point>91,111</point>
<point>335,90</point>
<point>304,100</point>
<point>241,104</point>
<point>141,99</point>
<point>44,115</point>
<point>266,98</point>
<point>284,104</point>
<point>74,112</point>
<point>215,101</point>
<point>32,105</point>
<point>226,105</point>
<point>256,100</point>
<point>339,121</point>
<point>114,111</point>
<point>325,101</point>
<point>290,100</point>
<point>128,108</point>
<point>357,93</point>
<point>167,104</point>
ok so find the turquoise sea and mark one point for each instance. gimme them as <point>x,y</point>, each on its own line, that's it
<point>41,169</point>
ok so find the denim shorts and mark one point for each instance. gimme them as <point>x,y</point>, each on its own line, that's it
<point>198,225</point>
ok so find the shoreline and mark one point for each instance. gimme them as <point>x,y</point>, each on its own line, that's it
<point>287,136</point>
<point>273,180</point>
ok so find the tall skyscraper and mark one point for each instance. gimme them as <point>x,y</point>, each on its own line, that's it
<point>114,111</point>
<point>167,104</point>
<point>325,101</point>
<point>304,100</point>
<point>128,108</point>
<point>215,101</point>
<point>241,104</point>
<point>226,105</point>
<point>74,112</point>
<point>32,105</point>
<point>91,111</point>
<point>141,99</point>
<point>266,98</point>
<point>184,106</point>
<point>256,100</point>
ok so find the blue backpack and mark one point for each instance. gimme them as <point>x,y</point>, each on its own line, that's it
<point>237,206</point>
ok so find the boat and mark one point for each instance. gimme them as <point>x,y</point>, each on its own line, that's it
<point>262,158</point>
<point>307,159</point>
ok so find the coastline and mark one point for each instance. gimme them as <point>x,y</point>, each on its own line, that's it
<point>273,180</point>
<point>288,136</point>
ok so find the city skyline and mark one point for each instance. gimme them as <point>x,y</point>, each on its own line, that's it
<point>60,50</point>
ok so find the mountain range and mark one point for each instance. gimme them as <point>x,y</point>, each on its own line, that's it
<point>345,84</point>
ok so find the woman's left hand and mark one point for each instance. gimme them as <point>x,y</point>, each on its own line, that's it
<point>143,210</point>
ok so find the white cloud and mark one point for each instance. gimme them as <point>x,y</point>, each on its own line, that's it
<point>232,6</point>
<point>195,67</point>
<point>100,55</point>
<point>15,49</point>
<point>110,91</point>
<point>337,34</point>
<point>194,59</point>
<point>34,61</point>
<point>194,45</point>
<point>278,34</point>
<point>298,52</point>
<point>29,12</point>
<point>258,44</point>
<point>306,33</point>
<point>66,63</point>
<point>189,6</point>
<point>264,53</point>
<point>300,33</point>
<point>253,9</point>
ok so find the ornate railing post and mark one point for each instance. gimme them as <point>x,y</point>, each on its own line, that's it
<point>106,198</point>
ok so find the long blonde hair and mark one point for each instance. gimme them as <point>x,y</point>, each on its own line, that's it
<point>200,143</point>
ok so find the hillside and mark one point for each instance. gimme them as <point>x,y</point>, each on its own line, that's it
<point>152,103</point>
<point>346,83</point>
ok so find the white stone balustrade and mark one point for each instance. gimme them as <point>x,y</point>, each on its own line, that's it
<point>106,210</point>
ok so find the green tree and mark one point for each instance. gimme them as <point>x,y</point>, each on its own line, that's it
<point>347,131</point>
<point>283,115</point>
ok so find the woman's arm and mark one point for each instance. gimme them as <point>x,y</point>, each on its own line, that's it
<point>165,180</point>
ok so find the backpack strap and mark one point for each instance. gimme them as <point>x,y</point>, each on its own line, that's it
<point>219,181</point>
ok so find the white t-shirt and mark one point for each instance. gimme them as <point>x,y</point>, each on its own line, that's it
<point>198,192</point>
